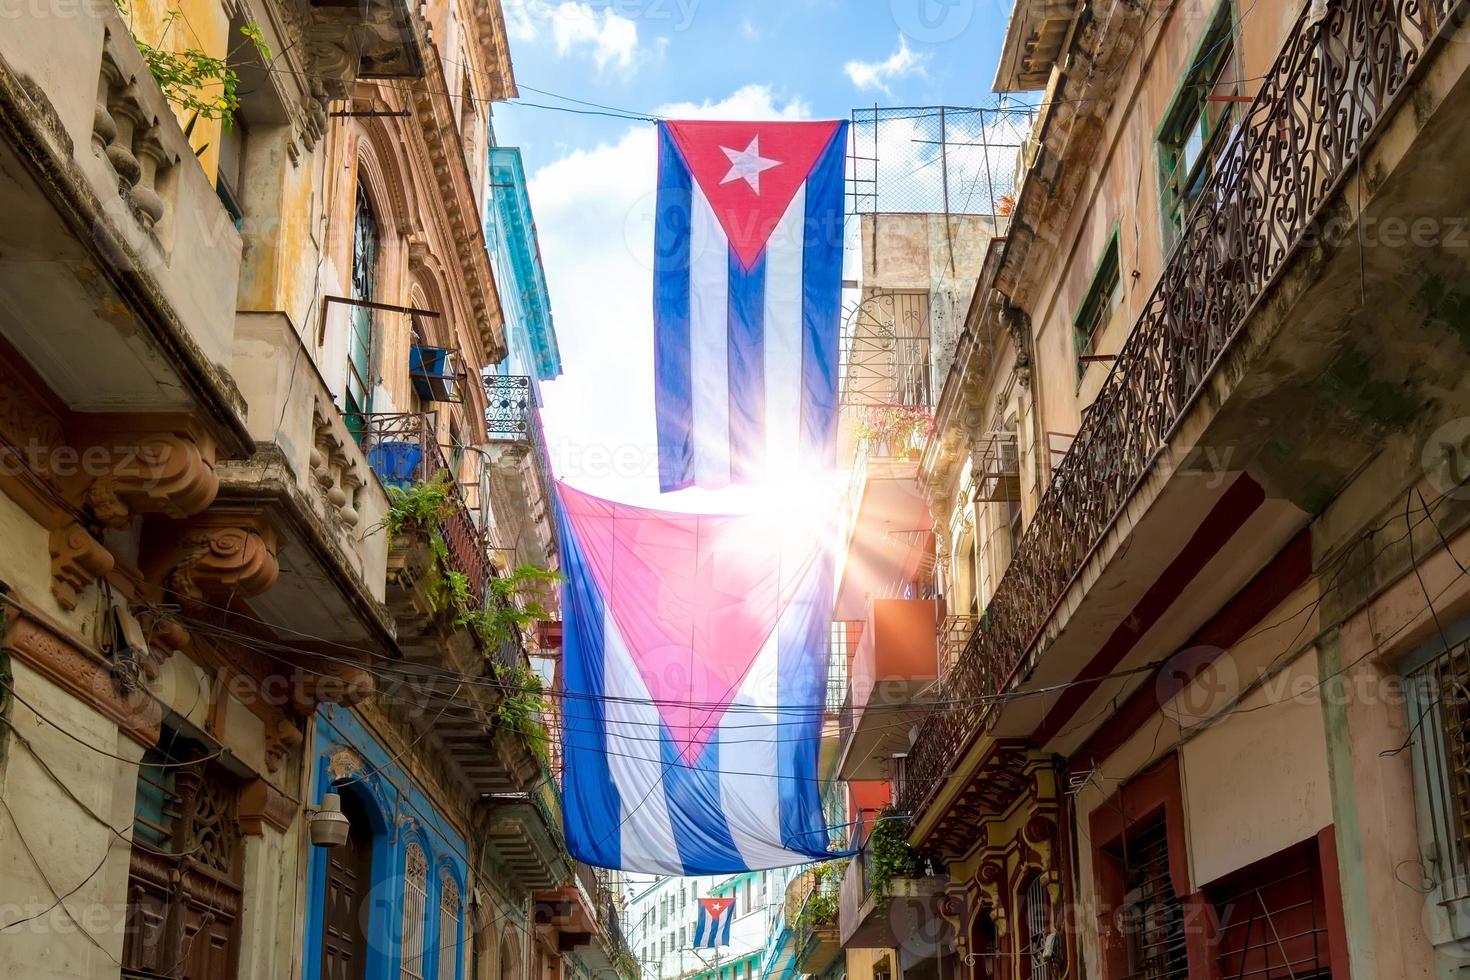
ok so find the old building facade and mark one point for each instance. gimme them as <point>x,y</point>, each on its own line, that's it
<point>1196,490</point>
<point>255,570</point>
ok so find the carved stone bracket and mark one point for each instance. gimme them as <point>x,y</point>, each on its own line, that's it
<point>157,472</point>
<point>329,683</point>
<point>217,555</point>
<point>280,739</point>
<point>77,560</point>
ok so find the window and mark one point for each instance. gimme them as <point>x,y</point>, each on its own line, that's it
<point>1038,924</point>
<point>184,873</point>
<point>1103,301</point>
<point>365,247</point>
<point>1195,130</point>
<point>683,937</point>
<point>448,927</point>
<point>1437,689</point>
<point>415,903</point>
<point>1153,919</point>
<point>1273,918</point>
<point>231,166</point>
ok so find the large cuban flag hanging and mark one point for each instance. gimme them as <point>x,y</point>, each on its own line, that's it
<point>747,296</point>
<point>694,678</point>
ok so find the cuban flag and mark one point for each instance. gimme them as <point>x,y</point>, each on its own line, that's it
<point>747,299</point>
<point>713,927</point>
<point>694,681</point>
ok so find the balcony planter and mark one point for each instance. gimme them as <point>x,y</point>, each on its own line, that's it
<point>396,463</point>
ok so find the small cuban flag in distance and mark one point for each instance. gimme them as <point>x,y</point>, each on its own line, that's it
<point>747,299</point>
<point>713,928</point>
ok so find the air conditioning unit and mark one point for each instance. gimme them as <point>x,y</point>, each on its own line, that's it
<point>435,373</point>
<point>998,474</point>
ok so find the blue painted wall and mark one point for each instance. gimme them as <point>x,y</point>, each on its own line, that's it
<point>400,814</point>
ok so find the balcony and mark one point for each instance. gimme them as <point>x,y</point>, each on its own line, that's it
<point>812,908</point>
<point>584,918</point>
<point>520,468</point>
<point>895,661</point>
<point>1266,343</point>
<point>118,263</point>
<point>404,451</point>
<point>878,913</point>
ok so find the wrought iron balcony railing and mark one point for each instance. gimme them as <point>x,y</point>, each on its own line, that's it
<point>1342,68</point>
<point>510,407</point>
<point>403,449</point>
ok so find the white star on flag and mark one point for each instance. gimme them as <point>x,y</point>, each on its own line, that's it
<point>747,164</point>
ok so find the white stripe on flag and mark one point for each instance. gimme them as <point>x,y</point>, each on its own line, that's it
<point>783,332</point>
<point>633,759</point>
<point>709,342</point>
<point>750,791</point>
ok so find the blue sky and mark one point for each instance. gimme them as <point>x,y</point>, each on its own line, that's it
<point>592,178</point>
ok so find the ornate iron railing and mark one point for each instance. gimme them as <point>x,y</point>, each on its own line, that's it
<point>403,449</point>
<point>1341,69</point>
<point>509,406</point>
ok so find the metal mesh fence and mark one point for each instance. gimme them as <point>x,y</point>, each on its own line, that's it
<point>936,159</point>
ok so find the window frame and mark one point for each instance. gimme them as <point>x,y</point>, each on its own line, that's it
<point>1096,311</point>
<point>1217,49</point>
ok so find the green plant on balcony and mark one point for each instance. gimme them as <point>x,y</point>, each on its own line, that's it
<point>418,508</point>
<point>197,82</point>
<point>822,903</point>
<point>889,856</point>
<point>522,703</point>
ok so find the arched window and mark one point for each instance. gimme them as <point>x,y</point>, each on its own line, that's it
<point>366,244</point>
<point>510,957</point>
<point>448,927</point>
<point>415,903</point>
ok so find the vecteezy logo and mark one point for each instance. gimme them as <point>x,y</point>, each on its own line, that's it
<point>932,21</point>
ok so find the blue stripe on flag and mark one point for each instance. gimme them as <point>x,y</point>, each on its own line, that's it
<point>672,391</point>
<point>803,640</point>
<point>821,302</point>
<point>747,369</point>
<point>705,843</point>
<point>587,781</point>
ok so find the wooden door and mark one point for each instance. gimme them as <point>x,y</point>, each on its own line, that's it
<point>349,879</point>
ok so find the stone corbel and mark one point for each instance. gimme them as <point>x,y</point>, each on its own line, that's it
<point>280,739</point>
<point>166,471</point>
<point>218,555</point>
<point>77,560</point>
<point>260,804</point>
<point>329,683</point>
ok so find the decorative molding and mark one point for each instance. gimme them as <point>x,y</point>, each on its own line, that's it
<point>160,472</point>
<point>220,554</point>
<point>77,560</point>
<point>84,675</point>
<point>280,739</point>
<point>330,683</point>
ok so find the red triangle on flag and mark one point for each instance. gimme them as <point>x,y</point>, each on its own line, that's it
<point>715,907</point>
<point>750,171</point>
<point>694,597</point>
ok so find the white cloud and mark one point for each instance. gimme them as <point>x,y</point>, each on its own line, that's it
<point>611,38</point>
<point>594,215</point>
<point>877,74</point>
<point>749,31</point>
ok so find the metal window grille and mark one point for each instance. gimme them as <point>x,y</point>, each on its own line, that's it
<point>1272,920</point>
<point>1154,917</point>
<point>448,928</point>
<point>1438,705</point>
<point>415,904</point>
<point>1038,927</point>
